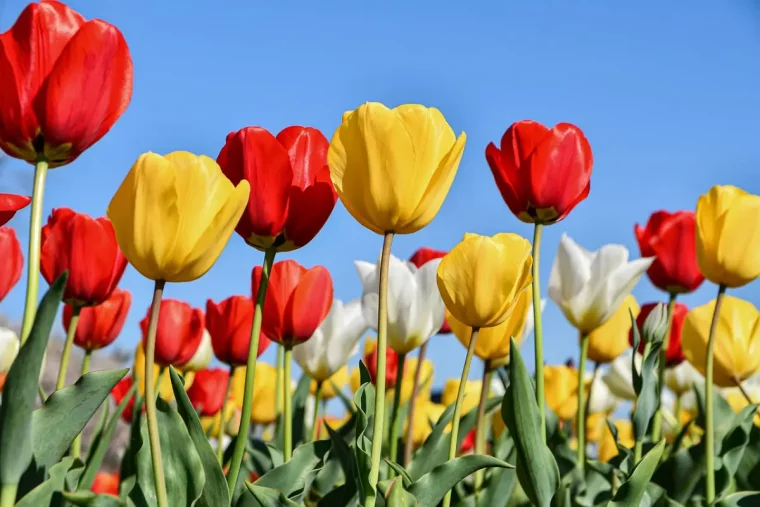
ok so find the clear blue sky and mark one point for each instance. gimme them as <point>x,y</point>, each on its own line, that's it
<point>668,94</point>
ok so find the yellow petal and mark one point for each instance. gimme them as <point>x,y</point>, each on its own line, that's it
<point>264,391</point>
<point>471,398</point>
<point>610,339</point>
<point>331,386</point>
<point>561,387</point>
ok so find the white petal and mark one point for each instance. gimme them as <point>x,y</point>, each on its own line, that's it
<point>343,344</point>
<point>403,304</point>
<point>601,398</point>
<point>618,285</point>
<point>9,347</point>
<point>368,275</point>
<point>619,377</point>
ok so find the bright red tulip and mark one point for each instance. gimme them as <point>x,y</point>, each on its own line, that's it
<point>118,393</point>
<point>542,173</point>
<point>674,355</point>
<point>208,390</point>
<point>10,204</point>
<point>179,333</point>
<point>106,484</point>
<point>391,366</point>
<point>100,325</point>
<point>13,260</point>
<point>229,324</point>
<point>292,194</point>
<point>419,259</point>
<point>297,301</point>
<point>85,247</point>
<point>65,83</point>
<point>468,443</point>
<point>671,239</point>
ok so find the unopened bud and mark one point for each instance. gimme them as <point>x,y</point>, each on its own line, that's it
<point>656,324</point>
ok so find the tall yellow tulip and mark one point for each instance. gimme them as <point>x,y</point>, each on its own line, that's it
<point>561,390</point>
<point>609,340</point>
<point>264,392</point>
<point>426,412</point>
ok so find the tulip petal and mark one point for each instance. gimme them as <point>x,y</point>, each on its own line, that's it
<point>738,248</point>
<point>309,303</point>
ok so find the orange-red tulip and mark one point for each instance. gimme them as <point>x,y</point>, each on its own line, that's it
<point>179,333</point>
<point>13,260</point>
<point>208,390</point>
<point>106,484</point>
<point>10,204</point>
<point>118,393</point>
<point>229,324</point>
<point>100,325</point>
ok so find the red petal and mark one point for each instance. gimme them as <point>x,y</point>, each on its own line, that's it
<point>504,174</point>
<point>310,208</point>
<point>10,204</point>
<point>675,245</point>
<point>13,260</point>
<point>519,141</point>
<point>309,304</point>
<point>283,280</point>
<point>100,325</point>
<point>307,150</point>
<point>425,255</point>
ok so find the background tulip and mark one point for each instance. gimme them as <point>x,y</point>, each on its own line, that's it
<point>561,390</point>
<point>370,361</point>
<point>619,377</point>
<point>9,347</point>
<point>174,214</point>
<point>542,173</point>
<point>106,484</point>
<point>609,340</point>
<point>292,194</point>
<point>263,392</point>
<point>164,387</point>
<point>203,354</point>
<point>118,393</point>
<point>728,236</point>
<point>10,204</point>
<point>333,385</point>
<point>13,260</point>
<point>608,447</point>
<point>100,325</point>
<point>681,378</point>
<point>471,393</point>
<point>229,323</point>
<point>207,394</point>
<point>674,354</point>
<point>421,257</point>
<point>392,168</point>
<point>179,333</point>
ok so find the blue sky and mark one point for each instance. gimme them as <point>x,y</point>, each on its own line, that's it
<point>666,92</point>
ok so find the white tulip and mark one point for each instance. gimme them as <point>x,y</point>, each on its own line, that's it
<point>203,354</point>
<point>415,307</point>
<point>9,346</point>
<point>601,399</point>
<point>619,377</point>
<point>334,341</point>
<point>681,378</point>
<point>530,321</point>
<point>590,286</point>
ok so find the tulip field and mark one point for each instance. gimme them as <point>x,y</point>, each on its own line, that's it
<point>658,408</point>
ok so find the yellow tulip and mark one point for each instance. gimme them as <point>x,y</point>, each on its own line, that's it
<point>392,168</point>
<point>728,236</point>
<point>165,388</point>
<point>174,214</point>
<point>471,393</point>
<point>596,425</point>
<point>210,424</point>
<point>608,448</point>
<point>737,401</point>
<point>482,278</point>
<point>497,425</point>
<point>561,386</point>
<point>737,340</point>
<point>334,422</point>
<point>425,412</point>
<point>331,386</point>
<point>609,340</point>
<point>264,391</point>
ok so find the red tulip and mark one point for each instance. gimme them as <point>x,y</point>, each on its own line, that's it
<point>297,301</point>
<point>118,393</point>
<point>13,260</point>
<point>671,239</point>
<point>87,249</point>
<point>65,83</point>
<point>674,355</point>
<point>542,173</point>
<point>179,333</point>
<point>292,194</point>
<point>208,390</point>
<point>106,484</point>
<point>100,325</point>
<point>229,324</point>
<point>419,259</point>
<point>391,366</point>
<point>11,203</point>
<point>468,443</point>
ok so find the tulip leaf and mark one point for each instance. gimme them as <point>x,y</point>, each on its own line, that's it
<point>300,397</point>
<point>647,399</point>
<point>399,497</point>
<point>294,477</point>
<point>401,471</point>
<point>537,469</point>
<point>56,482</point>
<point>499,482</point>
<point>742,499</point>
<point>100,426</point>
<point>348,404</point>
<point>364,399</point>
<point>632,491</point>
<point>732,448</point>
<point>268,497</point>
<point>20,390</point>
<point>90,499</point>
<point>129,460</point>
<point>347,460</point>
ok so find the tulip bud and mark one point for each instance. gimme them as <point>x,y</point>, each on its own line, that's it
<point>656,324</point>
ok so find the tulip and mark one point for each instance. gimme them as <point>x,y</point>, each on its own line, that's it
<point>674,353</point>
<point>561,390</point>
<point>609,340</point>
<point>106,484</point>
<point>209,394</point>
<point>601,404</point>
<point>229,322</point>
<point>179,333</point>
<point>119,391</point>
<point>370,360</point>
<point>10,204</point>
<point>743,395</point>
<point>619,377</point>
<point>331,387</point>
<point>99,325</point>
<point>608,447</point>
<point>263,393</point>
<point>421,428</point>
<point>419,259</point>
<point>470,397</point>
<point>164,384</point>
<point>13,259</point>
<point>681,378</point>
<point>9,347</point>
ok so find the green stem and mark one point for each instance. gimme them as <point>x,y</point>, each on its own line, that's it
<point>382,341</point>
<point>481,427</point>
<point>35,235</point>
<point>409,441</point>
<point>76,445</point>
<point>677,409</point>
<point>66,355</point>
<point>538,328</point>
<point>581,414</point>
<point>8,495</point>
<point>278,390</point>
<point>657,421</point>
<point>288,406</point>
<point>587,411</point>
<point>150,396</point>
<point>709,412</point>
<point>638,446</point>
<point>458,406</point>
<point>315,420</point>
<point>253,348</point>
<point>395,413</point>
<point>220,431</point>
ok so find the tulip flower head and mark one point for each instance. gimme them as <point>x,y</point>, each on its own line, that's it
<point>174,214</point>
<point>10,204</point>
<point>681,378</point>
<point>208,391</point>
<point>118,393</point>
<point>415,307</point>
<point>203,354</point>
<point>264,392</point>
<point>674,354</point>
<point>542,173</point>
<point>561,384</point>
<point>482,278</point>
<point>392,168</point>
<point>619,377</point>
<point>728,236</point>
<point>391,363</point>
<point>99,325</point>
<point>608,447</point>
<point>609,340</point>
<point>419,259</point>
<point>106,484</point>
<point>229,322</point>
<point>333,385</point>
<point>589,287</point>
<point>292,195</point>
<point>9,347</point>
<point>164,387</point>
<point>179,333</point>
<point>471,398</point>
<point>13,259</point>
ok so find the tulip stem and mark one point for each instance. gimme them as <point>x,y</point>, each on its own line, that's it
<point>657,421</point>
<point>395,413</point>
<point>481,426</point>
<point>538,329</point>
<point>581,415</point>
<point>677,410</point>
<point>458,406</point>
<point>587,411</point>
<point>382,339</point>
<point>150,395</point>
<point>8,495</point>
<point>278,389</point>
<point>35,236</point>
<point>253,348</point>
<point>317,400</point>
<point>66,355</point>
<point>638,446</point>
<point>76,445</point>
<point>220,431</point>
<point>409,441</point>
<point>709,413</point>
<point>287,406</point>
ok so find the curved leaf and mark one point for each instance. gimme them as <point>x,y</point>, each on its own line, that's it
<point>364,399</point>
<point>90,499</point>
<point>268,497</point>
<point>43,494</point>
<point>399,497</point>
<point>632,491</point>
<point>294,477</point>
<point>743,499</point>
<point>300,396</point>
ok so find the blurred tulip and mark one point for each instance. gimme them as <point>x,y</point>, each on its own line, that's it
<point>601,399</point>
<point>264,390</point>
<point>674,355</point>
<point>13,260</point>
<point>333,385</point>
<point>335,423</point>
<point>334,341</point>
<point>297,301</point>
<point>681,378</point>
<point>468,443</point>
<point>481,279</point>
<point>421,257</point>
<point>66,82</point>
<point>609,340</point>
<point>10,204</point>
<point>671,239</point>
<point>589,287</point>
<point>561,390</point>
<point>229,323</point>
<point>542,173</point>
<point>100,325</point>
<point>407,383</point>
<point>174,214</point>
<point>370,361</point>
<point>179,334</point>
<point>165,384</point>
<point>87,249</point>
<point>9,347</point>
<point>203,355</point>
<point>737,340</point>
<point>728,236</point>
<point>291,192</point>
<point>608,448</point>
<point>392,168</point>
<point>210,424</point>
<point>619,377</point>
<point>208,391</point>
<point>471,393</point>
<point>118,393</point>
<point>426,413</point>
<point>738,401</point>
<point>415,307</point>
<point>106,484</point>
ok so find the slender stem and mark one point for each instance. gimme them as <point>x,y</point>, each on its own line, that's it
<point>458,406</point>
<point>288,406</point>
<point>709,412</point>
<point>253,348</point>
<point>382,339</point>
<point>678,415</point>
<point>581,414</point>
<point>395,413</point>
<point>638,446</point>
<point>35,234</point>
<point>150,396</point>
<point>8,495</point>
<point>657,421</point>
<point>315,421</point>
<point>538,328</point>
<point>481,429</point>
<point>66,355</point>
<point>220,431</point>
<point>76,445</point>
<point>278,389</point>
<point>409,440</point>
<point>590,390</point>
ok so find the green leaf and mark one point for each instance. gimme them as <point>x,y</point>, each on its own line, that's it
<point>344,495</point>
<point>347,460</point>
<point>401,471</point>
<point>632,491</point>
<point>100,426</point>
<point>90,499</point>
<point>743,499</point>
<point>215,490</point>
<point>399,497</point>
<point>300,395</point>
<point>129,460</point>
<point>344,399</point>
<point>268,497</point>
<point>647,399</point>
<point>20,390</point>
<point>364,399</point>
<point>42,495</point>
<point>537,469</point>
<point>732,449</point>
<point>499,482</point>
<point>293,478</point>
